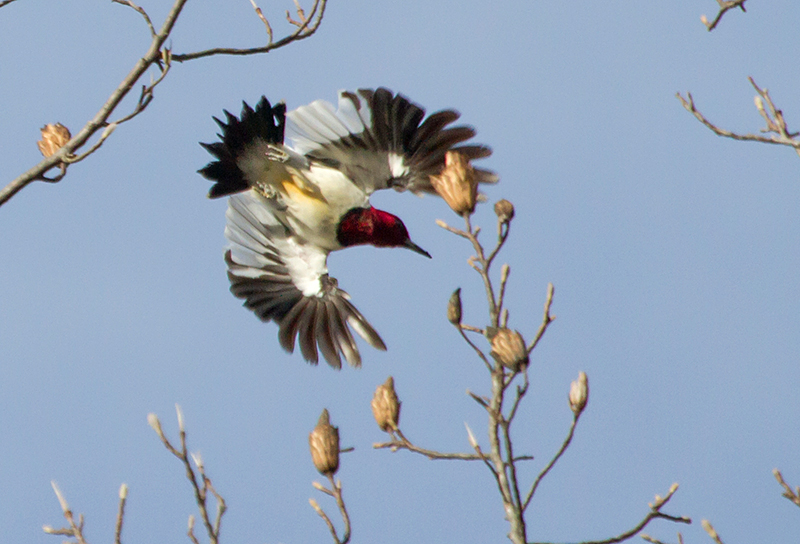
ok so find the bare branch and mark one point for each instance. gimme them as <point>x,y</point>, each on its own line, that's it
<point>264,20</point>
<point>724,6</point>
<point>100,120</point>
<point>655,513</point>
<point>75,530</point>
<point>142,12</point>
<point>155,55</point>
<point>648,538</point>
<point>201,485</point>
<point>305,30</point>
<point>123,497</point>
<point>552,462</point>
<point>708,528</point>
<point>776,124</point>
<point>402,443</point>
<point>791,494</point>
<point>336,492</point>
<point>478,351</point>
<point>546,319</point>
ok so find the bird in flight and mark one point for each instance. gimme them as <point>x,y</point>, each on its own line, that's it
<point>299,186</point>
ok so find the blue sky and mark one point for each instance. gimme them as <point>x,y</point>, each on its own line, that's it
<point>674,254</point>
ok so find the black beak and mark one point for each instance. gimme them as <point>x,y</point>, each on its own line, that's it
<point>415,248</point>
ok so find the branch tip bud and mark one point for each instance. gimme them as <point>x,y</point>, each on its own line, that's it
<point>454,308</point>
<point>323,442</point>
<point>579,396</point>
<point>179,414</point>
<point>152,420</point>
<point>471,437</point>
<point>386,406</point>
<point>504,210</point>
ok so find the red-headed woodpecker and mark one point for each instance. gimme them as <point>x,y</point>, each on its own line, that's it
<point>292,204</point>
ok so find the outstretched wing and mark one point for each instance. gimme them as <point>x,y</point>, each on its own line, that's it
<point>382,140</point>
<point>242,138</point>
<point>285,281</point>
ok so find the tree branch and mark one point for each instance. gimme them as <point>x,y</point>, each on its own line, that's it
<point>305,30</point>
<point>201,485</point>
<point>724,6</point>
<point>403,443</point>
<point>162,57</point>
<point>336,492</point>
<point>552,462</point>
<point>655,513</point>
<point>791,494</point>
<point>100,120</point>
<point>776,124</point>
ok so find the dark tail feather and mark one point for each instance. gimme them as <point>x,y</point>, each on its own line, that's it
<point>265,123</point>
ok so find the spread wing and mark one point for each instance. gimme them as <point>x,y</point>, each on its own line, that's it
<point>243,143</point>
<point>382,140</point>
<point>283,280</point>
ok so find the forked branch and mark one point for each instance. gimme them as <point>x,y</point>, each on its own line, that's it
<point>161,57</point>
<point>776,131</point>
<point>724,6</point>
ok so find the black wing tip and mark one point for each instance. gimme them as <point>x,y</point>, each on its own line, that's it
<point>265,122</point>
<point>401,125</point>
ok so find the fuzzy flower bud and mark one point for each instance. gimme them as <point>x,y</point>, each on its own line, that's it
<point>579,393</point>
<point>508,348</point>
<point>53,138</point>
<point>456,184</point>
<point>454,308</point>
<point>386,406</point>
<point>504,210</point>
<point>324,444</point>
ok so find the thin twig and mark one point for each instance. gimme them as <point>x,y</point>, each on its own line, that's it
<point>655,513</point>
<point>546,319</point>
<point>263,19</point>
<point>521,391</point>
<point>724,6</point>
<point>141,11</point>
<point>336,492</point>
<point>75,530</point>
<point>404,443</point>
<point>776,124</point>
<point>100,120</point>
<point>552,462</point>
<point>123,497</point>
<point>476,348</point>
<point>791,494</point>
<point>708,528</point>
<point>201,486</point>
<point>304,31</point>
<point>154,55</point>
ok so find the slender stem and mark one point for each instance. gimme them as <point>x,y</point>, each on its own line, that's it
<point>405,444</point>
<point>305,30</point>
<point>101,117</point>
<point>552,462</point>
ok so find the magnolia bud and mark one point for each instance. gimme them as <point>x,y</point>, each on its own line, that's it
<point>457,184</point>
<point>579,393</point>
<point>454,308</point>
<point>504,210</point>
<point>386,406</point>
<point>508,348</point>
<point>324,444</point>
<point>53,138</point>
